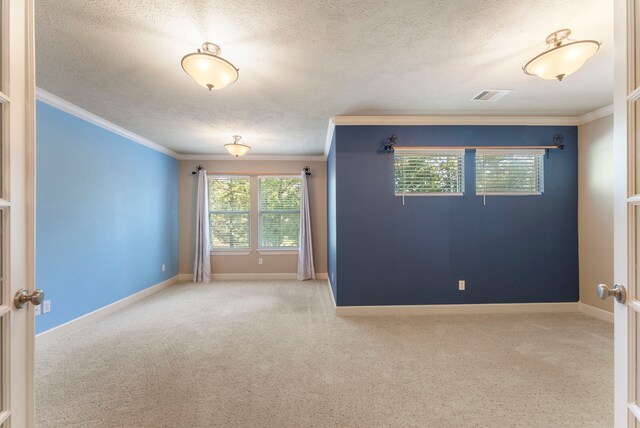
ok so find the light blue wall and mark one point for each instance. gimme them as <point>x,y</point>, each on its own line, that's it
<point>107,216</point>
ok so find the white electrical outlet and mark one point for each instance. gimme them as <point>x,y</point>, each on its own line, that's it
<point>46,306</point>
<point>260,261</point>
<point>461,285</point>
<point>38,309</point>
<point>164,267</point>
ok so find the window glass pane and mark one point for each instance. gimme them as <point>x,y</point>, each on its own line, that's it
<point>509,173</point>
<point>634,294</point>
<point>423,173</point>
<point>229,194</point>
<point>637,356</point>
<point>279,194</point>
<point>3,121</point>
<point>2,273</point>
<point>634,38</point>
<point>229,230</point>
<point>229,212</point>
<point>279,208</point>
<point>3,29</point>
<point>633,110</point>
<point>280,230</point>
<point>2,363</point>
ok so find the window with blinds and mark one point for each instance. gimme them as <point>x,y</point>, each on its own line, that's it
<point>279,212</point>
<point>429,172</point>
<point>509,172</point>
<point>230,213</point>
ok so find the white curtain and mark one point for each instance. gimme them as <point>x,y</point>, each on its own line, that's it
<point>305,255</point>
<point>202,262</point>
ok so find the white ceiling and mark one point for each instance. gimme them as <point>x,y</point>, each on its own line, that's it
<point>302,62</point>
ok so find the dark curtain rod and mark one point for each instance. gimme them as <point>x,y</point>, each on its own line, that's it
<point>306,170</point>
<point>390,146</point>
<point>426,148</point>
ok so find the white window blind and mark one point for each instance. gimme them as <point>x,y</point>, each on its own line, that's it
<point>510,172</point>
<point>230,212</point>
<point>279,212</point>
<point>429,172</point>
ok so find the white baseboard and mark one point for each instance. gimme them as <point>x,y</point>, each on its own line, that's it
<point>594,312</point>
<point>250,276</point>
<point>84,320</point>
<point>497,308</point>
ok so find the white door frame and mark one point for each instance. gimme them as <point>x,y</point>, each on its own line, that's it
<point>624,332</point>
<point>18,181</point>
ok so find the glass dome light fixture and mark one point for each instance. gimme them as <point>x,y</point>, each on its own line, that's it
<point>208,68</point>
<point>236,149</point>
<point>561,58</point>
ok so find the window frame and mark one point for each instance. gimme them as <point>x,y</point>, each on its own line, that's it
<point>426,151</point>
<point>539,170</point>
<point>280,250</point>
<point>230,250</point>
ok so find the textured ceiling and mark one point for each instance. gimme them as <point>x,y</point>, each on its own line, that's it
<point>302,62</point>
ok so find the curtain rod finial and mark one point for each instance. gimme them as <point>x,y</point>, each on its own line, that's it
<point>392,141</point>
<point>559,139</point>
<point>307,170</point>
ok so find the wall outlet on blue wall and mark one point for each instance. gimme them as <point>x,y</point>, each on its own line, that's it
<point>46,306</point>
<point>461,285</point>
<point>164,267</point>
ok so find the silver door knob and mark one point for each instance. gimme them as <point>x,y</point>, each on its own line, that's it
<point>23,297</point>
<point>618,291</point>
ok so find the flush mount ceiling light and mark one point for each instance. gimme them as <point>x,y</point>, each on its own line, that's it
<point>560,60</point>
<point>209,69</point>
<point>237,149</point>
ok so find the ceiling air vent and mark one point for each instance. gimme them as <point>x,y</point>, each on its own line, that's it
<point>491,95</point>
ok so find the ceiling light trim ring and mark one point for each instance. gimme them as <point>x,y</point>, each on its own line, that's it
<point>557,37</point>
<point>210,48</point>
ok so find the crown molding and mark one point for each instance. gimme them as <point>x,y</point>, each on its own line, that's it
<point>277,158</point>
<point>456,120</point>
<point>67,107</point>
<point>596,114</point>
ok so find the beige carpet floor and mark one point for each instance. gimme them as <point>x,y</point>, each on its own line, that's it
<point>273,354</point>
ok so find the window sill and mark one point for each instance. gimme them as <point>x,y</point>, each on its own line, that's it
<point>230,253</point>
<point>429,194</point>
<point>510,194</point>
<point>267,251</point>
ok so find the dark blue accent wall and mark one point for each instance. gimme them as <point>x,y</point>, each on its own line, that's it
<point>515,249</point>
<point>107,216</point>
